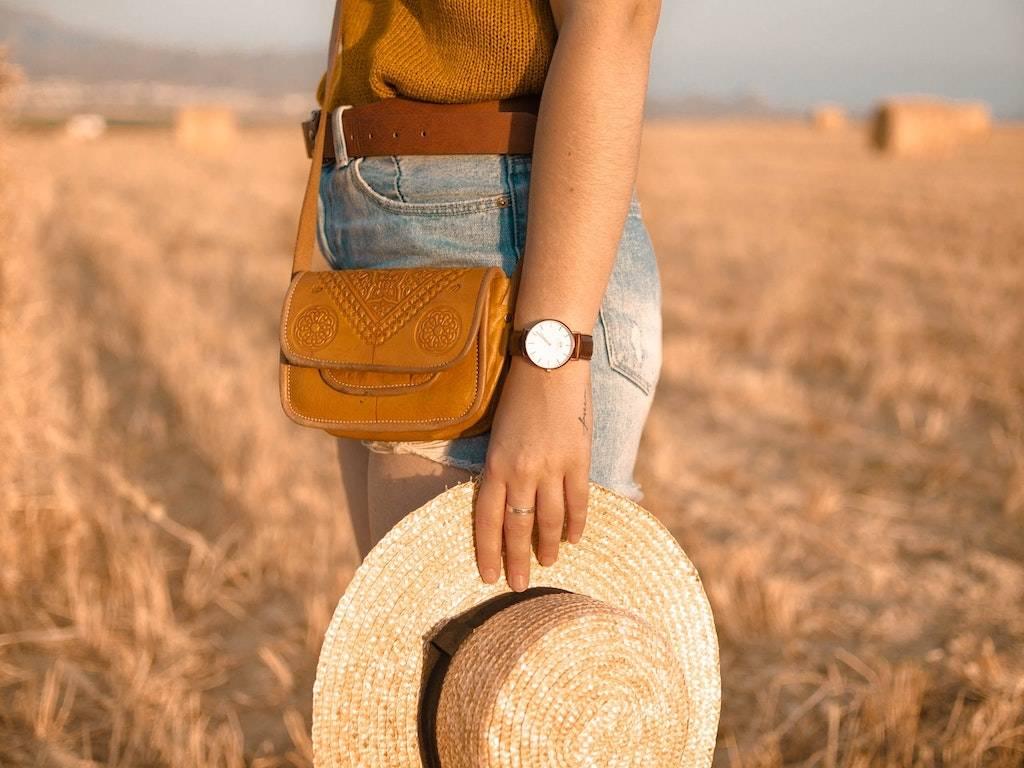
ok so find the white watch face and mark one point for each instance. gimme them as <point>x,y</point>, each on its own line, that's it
<point>549,343</point>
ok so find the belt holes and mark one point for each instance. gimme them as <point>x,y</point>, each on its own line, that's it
<point>395,134</point>
<point>423,133</point>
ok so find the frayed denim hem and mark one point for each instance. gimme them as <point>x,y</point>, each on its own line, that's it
<point>434,450</point>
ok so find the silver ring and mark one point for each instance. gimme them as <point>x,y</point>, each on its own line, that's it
<point>519,510</point>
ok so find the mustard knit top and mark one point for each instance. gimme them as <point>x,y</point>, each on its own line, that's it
<point>441,50</point>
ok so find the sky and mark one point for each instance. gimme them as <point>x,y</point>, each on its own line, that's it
<point>793,53</point>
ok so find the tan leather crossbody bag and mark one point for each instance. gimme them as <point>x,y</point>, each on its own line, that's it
<point>390,354</point>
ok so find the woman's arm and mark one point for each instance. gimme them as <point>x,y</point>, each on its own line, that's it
<point>584,166</point>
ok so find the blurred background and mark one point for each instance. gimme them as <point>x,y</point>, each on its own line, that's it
<point>836,195</point>
<point>136,62</point>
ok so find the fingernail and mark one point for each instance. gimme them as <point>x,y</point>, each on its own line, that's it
<point>519,582</point>
<point>490,575</point>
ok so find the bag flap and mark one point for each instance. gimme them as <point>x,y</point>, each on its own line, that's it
<point>403,319</point>
<point>376,382</point>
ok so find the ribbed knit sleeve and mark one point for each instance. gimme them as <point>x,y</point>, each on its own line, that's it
<point>441,50</point>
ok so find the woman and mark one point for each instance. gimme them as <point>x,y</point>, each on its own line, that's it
<point>590,264</point>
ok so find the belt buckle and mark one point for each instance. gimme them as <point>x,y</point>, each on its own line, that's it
<point>312,125</point>
<point>309,129</point>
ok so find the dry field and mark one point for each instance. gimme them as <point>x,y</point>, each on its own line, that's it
<point>837,442</point>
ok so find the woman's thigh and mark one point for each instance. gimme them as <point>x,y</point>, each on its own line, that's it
<point>443,210</point>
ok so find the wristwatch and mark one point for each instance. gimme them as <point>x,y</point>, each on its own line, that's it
<point>550,344</point>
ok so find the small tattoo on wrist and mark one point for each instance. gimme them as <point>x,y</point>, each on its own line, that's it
<point>583,418</point>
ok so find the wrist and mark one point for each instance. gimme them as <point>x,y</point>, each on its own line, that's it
<point>568,369</point>
<point>549,344</point>
<point>524,319</point>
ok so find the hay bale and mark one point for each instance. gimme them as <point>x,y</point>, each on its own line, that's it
<point>206,128</point>
<point>976,119</point>
<point>85,127</point>
<point>911,126</point>
<point>828,117</point>
<point>10,75</point>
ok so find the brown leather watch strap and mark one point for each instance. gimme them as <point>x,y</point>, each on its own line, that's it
<point>399,126</point>
<point>583,346</point>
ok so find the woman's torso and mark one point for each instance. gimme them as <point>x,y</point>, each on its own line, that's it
<point>404,211</point>
<point>441,50</point>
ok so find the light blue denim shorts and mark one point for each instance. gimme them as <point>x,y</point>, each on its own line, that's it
<point>448,210</point>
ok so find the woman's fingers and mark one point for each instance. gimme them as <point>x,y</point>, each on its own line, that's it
<point>488,518</point>
<point>519,535</point>
<point>559,502</point>
<point>550,515</point>
<point>577,496</point>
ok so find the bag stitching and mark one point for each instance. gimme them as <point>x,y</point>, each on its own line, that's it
<point>338,384</point>
<point>291,411</point>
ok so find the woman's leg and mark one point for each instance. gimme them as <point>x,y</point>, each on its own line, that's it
<point>353,459</point>
<point>398,483</point>
<point>382,488</point>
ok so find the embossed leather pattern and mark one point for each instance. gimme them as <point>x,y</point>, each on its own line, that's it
<point>396,354</point>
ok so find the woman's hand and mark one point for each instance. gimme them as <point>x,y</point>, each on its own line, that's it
<point>538,454</point>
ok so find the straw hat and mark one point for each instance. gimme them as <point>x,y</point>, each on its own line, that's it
<point>609,658</point>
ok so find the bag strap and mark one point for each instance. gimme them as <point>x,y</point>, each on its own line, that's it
<point>305,241</point>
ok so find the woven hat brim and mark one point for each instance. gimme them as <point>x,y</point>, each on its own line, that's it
<point>423,571</point>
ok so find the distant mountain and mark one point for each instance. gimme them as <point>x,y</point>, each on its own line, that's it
<point>45,48</point>
<point>69,70</point>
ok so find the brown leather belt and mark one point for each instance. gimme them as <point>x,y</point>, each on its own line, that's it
<point>399,126</point>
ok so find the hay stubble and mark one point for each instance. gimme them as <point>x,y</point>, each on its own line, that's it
<point>836,441</point>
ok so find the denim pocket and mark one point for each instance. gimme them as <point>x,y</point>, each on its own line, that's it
<point>432,184</point>
<point>324,207</point>
<point>366,226</point>
<point>631,308</point>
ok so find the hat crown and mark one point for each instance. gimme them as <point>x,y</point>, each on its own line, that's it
<point>562,679</point>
